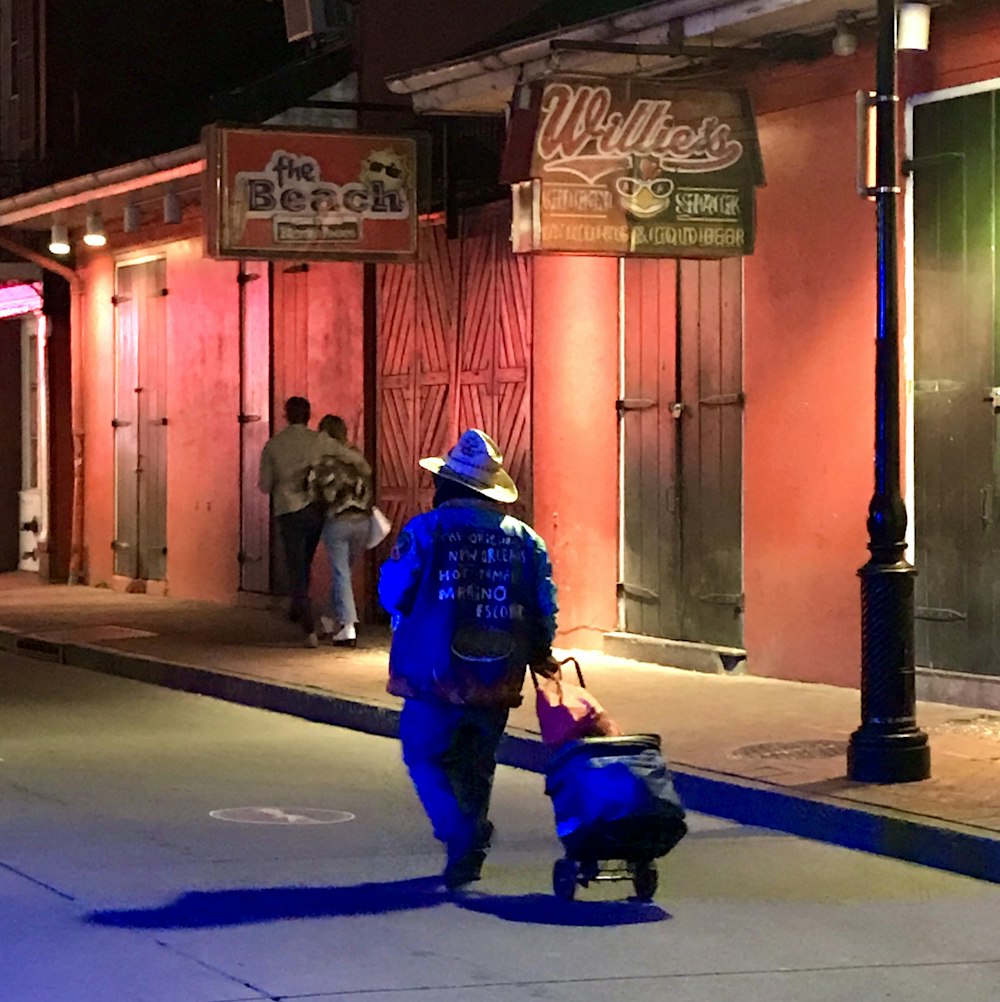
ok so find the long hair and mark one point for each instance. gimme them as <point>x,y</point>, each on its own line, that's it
<point>334,426</point>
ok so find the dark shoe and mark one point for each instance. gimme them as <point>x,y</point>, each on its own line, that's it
<point>464,870</point>
<point>484,835</point>
<point>349,642</point>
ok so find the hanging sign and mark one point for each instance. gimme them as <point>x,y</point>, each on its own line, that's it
<point>287,193</point>
<point>632,167</point>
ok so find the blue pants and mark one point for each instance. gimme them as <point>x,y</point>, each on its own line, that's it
<point>344,537</point>
<point>450,752</point>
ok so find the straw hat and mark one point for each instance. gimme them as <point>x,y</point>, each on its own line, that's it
<point>476,462</point>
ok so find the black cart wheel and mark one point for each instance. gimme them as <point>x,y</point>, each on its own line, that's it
<point>645,879</point>
<point>564,879</point>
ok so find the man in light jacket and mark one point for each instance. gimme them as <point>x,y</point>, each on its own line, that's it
<point>472,601</point>
<point>284,469</point>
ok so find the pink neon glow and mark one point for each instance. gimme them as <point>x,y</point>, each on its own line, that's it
<point>18,299</point>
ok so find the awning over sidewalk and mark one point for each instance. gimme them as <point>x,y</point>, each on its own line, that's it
<point>141,181</point>
<point>485,81</point>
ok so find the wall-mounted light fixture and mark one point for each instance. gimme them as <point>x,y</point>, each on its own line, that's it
<point>59,239</point>
<point>913,33</point>
<point>171,207</point>
<point>131,218</point>
<point>845,42</point>
<point>94,235</point>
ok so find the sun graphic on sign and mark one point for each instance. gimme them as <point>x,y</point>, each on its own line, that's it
<point>645,190</point>
<point>385,166</point>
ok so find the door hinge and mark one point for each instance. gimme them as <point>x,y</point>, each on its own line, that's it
<point>633,404</point>
<point>724,400</point>
<point>248,418</point>
<point>724,599</point>
<point>637,591</point>
<point>937,386</point>
<point>909,165</point>
<point>940,615</point>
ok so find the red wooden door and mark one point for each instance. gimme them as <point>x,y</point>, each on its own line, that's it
<point>416,316</point>
<point>454,351</point>
<point>494,343</point>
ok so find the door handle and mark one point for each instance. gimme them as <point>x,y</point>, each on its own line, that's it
<point>986,505</point>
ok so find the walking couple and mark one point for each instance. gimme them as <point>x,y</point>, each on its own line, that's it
<point>320,487</point>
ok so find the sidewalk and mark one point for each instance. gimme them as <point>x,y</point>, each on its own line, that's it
<point>755,750</point>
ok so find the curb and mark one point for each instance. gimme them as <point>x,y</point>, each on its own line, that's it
<point>941,845</point>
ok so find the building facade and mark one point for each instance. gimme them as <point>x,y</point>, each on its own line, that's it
<point>694,435</point>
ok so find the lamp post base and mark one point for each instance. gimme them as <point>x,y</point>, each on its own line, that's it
<point>875,756</point>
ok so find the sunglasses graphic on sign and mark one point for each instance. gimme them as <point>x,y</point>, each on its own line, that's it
<point>391,170</point>
<point>385,167</point>
<point>644,192</point>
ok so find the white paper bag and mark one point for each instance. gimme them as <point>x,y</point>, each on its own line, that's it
<point>379,527</point>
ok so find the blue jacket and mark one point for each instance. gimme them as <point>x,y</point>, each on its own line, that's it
<point>472,602</point>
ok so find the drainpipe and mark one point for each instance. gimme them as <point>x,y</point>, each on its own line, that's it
<point>76,415</point>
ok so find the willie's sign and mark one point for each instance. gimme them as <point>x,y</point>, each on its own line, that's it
<point>632,167</point>
<point>283,193</point>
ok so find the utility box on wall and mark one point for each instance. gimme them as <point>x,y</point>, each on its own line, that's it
<point>314,18</point>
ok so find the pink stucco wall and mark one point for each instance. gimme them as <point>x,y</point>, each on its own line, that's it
<point>97,401</point>
<point>575,447</point>
<point>809,379</point>
<point>203,470</point>
<point>203,404</point>
<point>809,354</point>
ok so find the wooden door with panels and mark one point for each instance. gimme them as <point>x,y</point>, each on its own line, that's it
<point>140,421</point>
<point>681,419</point>
<point>454,351</point>
<point>956,390</point>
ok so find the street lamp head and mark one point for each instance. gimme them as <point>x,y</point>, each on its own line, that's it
<point>913,32</point>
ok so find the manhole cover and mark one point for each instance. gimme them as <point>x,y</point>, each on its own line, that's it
<point>791,750</point>
<point>282,815</point>
<point>984,725</point>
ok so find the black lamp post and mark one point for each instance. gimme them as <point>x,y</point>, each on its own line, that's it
<point>888,747</point>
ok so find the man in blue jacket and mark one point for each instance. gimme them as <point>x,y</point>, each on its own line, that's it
<point>470,592</point>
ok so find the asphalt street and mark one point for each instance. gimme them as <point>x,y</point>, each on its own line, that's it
<point>157,846</point>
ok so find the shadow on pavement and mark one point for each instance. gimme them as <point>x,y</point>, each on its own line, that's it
<point>544,909</point>
<point>248,906</point>
<point>203,909</point>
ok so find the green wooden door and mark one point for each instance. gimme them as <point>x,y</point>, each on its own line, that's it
<point>955,368</point>
<point>682,438</point>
